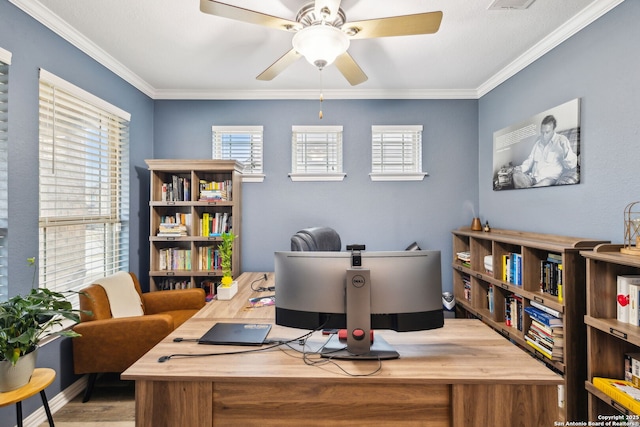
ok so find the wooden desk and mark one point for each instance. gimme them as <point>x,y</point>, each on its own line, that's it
<point>453,376</point>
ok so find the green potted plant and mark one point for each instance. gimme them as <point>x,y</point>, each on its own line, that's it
<point>228,287</point>
<point>24,321</point>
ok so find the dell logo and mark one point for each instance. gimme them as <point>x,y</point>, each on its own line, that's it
<point>358,281</point>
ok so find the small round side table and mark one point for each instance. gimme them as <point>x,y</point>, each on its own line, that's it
<point>41,379</point>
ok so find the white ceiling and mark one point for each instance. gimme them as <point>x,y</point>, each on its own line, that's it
<point>170,50</point>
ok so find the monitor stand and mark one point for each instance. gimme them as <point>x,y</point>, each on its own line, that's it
<point>358,313</point>
<point>379,350</point>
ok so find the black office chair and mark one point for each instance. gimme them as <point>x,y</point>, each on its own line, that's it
<point>316,239</point>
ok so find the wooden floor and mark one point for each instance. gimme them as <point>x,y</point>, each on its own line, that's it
<point>112,405</point>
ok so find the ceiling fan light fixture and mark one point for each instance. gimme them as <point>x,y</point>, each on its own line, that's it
<point>320,44</point>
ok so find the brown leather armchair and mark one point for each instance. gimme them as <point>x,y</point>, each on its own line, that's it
<point>111,344</point>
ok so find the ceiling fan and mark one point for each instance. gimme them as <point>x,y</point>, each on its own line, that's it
<point>322,34</point>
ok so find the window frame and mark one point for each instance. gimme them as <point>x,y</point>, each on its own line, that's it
<point>413,157</point>
<point>333,156</point>
<point>256,134</point>
<point>5,62</point>
<point>86,141</point>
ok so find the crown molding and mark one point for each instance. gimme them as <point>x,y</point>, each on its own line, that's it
<point>58,26</point>
<point>50,20</point>
<point>577,23</point>
<point>313,94</point>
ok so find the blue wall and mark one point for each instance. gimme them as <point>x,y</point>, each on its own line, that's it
<point>600,65</point>
<point>33,46</point>
<point>381,215</point>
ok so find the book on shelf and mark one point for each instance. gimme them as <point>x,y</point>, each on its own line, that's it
<point>465,258</point>
<point>621,391</point>
<point>488,264</point>
<point>176,190</point>
<point>536,346</point>
<point>543,317</point>
<point>550,341</point>
<point>208,258</point>
<point>512,268</point>
<point>174,259</point>
<point>634,300</point>
<point>167,284</point>
<point>215,224</point>
<point>215,190</point>
<point>546,309</point>
<point>466,280</point>
<point>513,311</point>
<point>551,275</point>
<point>172,230</point>
<point>490,298</point>
<point>632,368</point>
<point>622,295</point>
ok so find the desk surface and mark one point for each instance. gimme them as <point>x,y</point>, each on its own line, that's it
<point>464,351</point>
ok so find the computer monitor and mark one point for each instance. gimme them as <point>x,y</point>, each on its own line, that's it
<point>397,290</point>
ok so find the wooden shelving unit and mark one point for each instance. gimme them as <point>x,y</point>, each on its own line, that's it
<point>192,272</point>
<point>483,294</point>
<point>607,338</point>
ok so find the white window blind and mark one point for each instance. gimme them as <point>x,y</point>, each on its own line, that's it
<point>396,153</point>
<point>316,153</point>
<point>84,187</point>
<point>4,140</point>
<point>241,143</point>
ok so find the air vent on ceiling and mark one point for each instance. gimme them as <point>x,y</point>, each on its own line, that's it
<point>510,4</point>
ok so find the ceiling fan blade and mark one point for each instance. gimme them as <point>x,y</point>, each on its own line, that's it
<point>350,69</point>
<point>245,15</point>
<point>277,67</point>
<point>406,25</point>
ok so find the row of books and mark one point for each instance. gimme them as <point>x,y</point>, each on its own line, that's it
<point>546,331</point>
<point>513,311</point>
<point>171,283</point>
<point>465,258</point>
<point>512,268</point>
<point>174,259</point>
<point>214,224</point>
<point>466,280</point>
<point>628,299</point>
<point>215,190</point>
<point>490,298</point>
<point>208,258</point>
<point>551,275</point>
<point>172,229</point>
<point>176,218</point>
<point>177,190</point>
<point>178,224</point>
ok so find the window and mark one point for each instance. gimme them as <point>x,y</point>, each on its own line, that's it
<point>84,186</point>
<point>316,153</point>
<point>396,153</point>
<point>5,60</point>
<point>242,143</point>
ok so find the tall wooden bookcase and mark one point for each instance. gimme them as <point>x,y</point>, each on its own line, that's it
<point>482,290</point>
<point>188,260</point>
<point>607,339</point>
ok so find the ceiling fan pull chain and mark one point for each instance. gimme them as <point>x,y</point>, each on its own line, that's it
<point>321,95</point>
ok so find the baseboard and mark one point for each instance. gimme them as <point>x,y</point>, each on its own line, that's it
<point>57,402</point>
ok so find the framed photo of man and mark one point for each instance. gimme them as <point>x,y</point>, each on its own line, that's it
<point>541,151</point>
